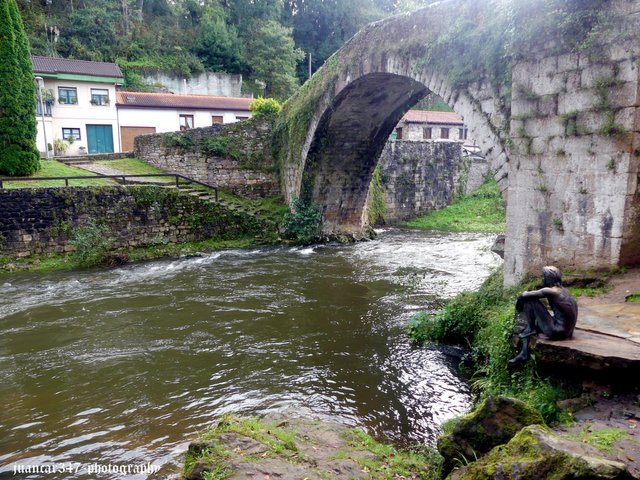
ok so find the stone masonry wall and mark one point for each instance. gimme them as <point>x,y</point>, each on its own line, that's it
<point>43,220</point>
<point>420,177</point>
<point>573,197</point>
<point>235,157</point>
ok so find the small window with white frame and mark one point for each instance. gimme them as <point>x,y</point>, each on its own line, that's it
<point>71,134</point>
<point>99,96</point>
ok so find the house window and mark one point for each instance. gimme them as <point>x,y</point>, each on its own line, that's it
<point>99,97</point>
<point>216,119</point>
<point>399,133</point>
<point>47,108</point>
<point>71,134</point>
<point>186,122</point>
<point>241,118</point>
<point>463,133</point>
<point>426,133</point>
<point>444,133</point>
<point>67,95</point>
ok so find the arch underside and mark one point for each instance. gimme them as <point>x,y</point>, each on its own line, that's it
<point>347,144</point>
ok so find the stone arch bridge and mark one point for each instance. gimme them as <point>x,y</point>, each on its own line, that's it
<point>558,122</point>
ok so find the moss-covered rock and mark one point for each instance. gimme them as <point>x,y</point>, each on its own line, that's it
<point>493,423</point>
<point>537,453</point>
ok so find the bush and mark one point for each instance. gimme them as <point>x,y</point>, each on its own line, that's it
<point>303,223</point>
<point>265,107</point>
<point>92,243</point>
<point>215,146</point>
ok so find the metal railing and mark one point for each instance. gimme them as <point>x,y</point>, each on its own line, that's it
<point>177,176</point>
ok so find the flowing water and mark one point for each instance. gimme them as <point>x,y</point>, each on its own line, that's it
<point>125,366</point>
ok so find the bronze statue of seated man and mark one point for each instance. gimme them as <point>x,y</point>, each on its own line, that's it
<point>537,319</point>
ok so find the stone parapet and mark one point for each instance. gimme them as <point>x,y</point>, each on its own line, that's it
<point>235,157</point>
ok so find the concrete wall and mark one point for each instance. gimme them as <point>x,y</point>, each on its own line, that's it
<point>206,83</point>
<point>44,220</point>
<point>244,167</point>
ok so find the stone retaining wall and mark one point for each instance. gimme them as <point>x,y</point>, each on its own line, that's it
<point>420,177</point>
<point>235,157</point>
<point>45,220</point>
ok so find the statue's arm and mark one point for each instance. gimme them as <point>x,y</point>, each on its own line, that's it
<point>542,293</point>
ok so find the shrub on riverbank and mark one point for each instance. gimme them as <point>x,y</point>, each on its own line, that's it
<point>481,211</point>
<point>483,321</point>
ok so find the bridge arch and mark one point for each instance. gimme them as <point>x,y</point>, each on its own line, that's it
<point>537,124</point>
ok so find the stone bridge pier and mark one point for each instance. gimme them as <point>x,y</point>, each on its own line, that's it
<point>559,130</point>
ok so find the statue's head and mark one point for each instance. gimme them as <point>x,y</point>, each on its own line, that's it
<point>551,276</point>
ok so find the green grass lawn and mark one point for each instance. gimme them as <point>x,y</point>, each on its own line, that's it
<point>53,168</point>
<point>482,211</point>
<point>131,166</point>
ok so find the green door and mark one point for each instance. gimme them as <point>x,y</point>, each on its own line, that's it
<point>100,138</point>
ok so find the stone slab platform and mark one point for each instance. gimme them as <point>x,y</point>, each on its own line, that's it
<point>606,343</point>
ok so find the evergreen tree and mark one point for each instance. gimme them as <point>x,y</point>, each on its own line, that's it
<point>217,43</point>
<point>18,154</point>
<point>272,58</point>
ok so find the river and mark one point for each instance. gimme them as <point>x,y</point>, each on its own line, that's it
<point>125,366</point>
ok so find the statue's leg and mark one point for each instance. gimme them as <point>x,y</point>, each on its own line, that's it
<point>537,319</point>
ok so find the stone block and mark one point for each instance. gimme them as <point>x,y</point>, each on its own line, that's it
<point>576,101</point>
<point>594,74</point>
<point>627,71</point>
<point>627,118</point>
<point>589,122</point>
<point>624,95</point>
<point>544,127</point>
<point>547,105</point>
<point>549,83</point>
<point>568,62</point>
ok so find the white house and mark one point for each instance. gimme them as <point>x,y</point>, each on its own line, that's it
<point>79,106</point>
<point>419,125</point>
<point>142,113</point>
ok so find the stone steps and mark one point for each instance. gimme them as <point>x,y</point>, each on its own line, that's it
<point>210,198</point>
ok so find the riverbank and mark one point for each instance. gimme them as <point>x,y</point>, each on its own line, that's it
<point>284,446</point>
<point>602,414</point>
<point>482,211</point>
<point>47,263</point>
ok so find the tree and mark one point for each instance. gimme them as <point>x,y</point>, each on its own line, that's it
<point>217,44</point>
<point>272,58</point>
<point>18,153</point>
<point>321,27</point>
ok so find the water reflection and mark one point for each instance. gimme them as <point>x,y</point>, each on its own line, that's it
<point>124,366</point>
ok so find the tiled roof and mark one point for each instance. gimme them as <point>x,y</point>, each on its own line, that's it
<point>169,100</point>
<point>78,67</point>
<point>424,116</point>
